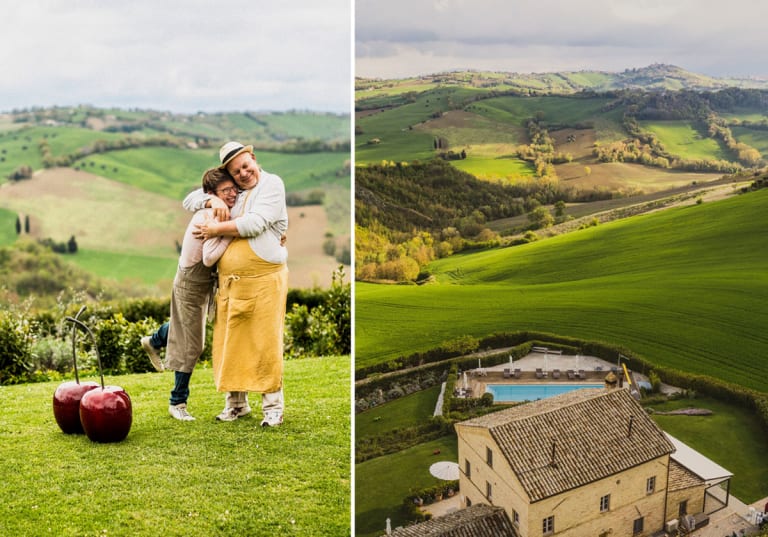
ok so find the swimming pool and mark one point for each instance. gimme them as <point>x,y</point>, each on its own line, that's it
<point>531,392</point>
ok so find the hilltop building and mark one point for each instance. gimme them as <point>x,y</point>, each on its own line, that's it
<point>588,462</point>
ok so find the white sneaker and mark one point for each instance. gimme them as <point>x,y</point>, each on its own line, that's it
<point>231,414</point>
<point>272,418</point>
<point>180,412</point>
<point>153,353</point>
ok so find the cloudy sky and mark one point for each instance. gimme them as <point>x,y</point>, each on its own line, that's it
<point>177,55</point>
<point>400,38</point>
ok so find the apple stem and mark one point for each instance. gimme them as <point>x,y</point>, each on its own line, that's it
<point>82,326</point>
<point>74,352</point>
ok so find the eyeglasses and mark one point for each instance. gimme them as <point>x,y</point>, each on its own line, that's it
<point>228,190</point>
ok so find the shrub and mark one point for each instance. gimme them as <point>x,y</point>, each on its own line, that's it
<point>15,347</point>
<point>107,334</point>
<point>655,381</point>
<point>35,345</point>
<point>51,354</point>
<point>322,330</point>
<point>136,310</point>
<point>134,357</point>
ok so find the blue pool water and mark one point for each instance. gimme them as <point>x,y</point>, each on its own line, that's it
<point>531,392</point>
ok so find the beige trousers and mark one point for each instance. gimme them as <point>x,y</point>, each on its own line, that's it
<point>269,401</point>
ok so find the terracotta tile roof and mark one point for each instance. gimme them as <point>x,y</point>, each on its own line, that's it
<point>681,478</point>
<point>479,520</point>
<point>590,431</point>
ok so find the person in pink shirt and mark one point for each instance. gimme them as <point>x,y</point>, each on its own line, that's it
<point>192,294</point>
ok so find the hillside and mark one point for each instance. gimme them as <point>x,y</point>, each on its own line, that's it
<point>114,180</point>
<point>656,76</point>
<point>685,288</point>
<point>619,137</point>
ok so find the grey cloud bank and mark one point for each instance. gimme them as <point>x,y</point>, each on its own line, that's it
<point>182,56</point>
<point>403,38</point>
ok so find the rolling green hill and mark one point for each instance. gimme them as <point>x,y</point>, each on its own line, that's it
<point>114,179</point>
<point>685,288</point>
<point>372,92</point>
<point>486,118</point>
<point>571,139</point>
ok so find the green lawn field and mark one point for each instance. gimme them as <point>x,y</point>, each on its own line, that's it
<point>408,411</point>
<point>381,484</point>
<point>200,478</point>
<point>551,109</point>
<point>680,138</point>
<point>753,138</point>
<point>145,269</point>
<point>727,431</point>
<point>8,233</point>
<point>684,288</point>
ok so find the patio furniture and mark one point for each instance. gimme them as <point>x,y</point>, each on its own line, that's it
<point>555,373</point>
<point>507,373</point>
<point>581,374</point>
<point>540,374</point>
<point>517,373</point>
<point>570,374</point>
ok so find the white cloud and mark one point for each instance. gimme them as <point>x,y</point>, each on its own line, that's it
<point>181,55</point>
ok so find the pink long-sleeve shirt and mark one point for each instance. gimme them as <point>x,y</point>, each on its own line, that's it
<point>193,250</point>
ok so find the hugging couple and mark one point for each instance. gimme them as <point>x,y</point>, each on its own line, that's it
<point>233,260</point>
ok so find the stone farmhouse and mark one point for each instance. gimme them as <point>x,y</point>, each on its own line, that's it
<point>479,520</point>
<point>588,462</point>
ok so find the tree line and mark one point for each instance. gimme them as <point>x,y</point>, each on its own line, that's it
<point>407,215</point>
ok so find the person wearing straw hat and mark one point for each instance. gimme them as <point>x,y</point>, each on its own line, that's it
<point>253,286</point>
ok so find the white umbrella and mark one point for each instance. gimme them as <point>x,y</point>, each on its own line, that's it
<point>465,380</point>
<point>445,470</point>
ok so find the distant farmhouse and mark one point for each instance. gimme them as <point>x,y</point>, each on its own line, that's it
<point>588,462</point>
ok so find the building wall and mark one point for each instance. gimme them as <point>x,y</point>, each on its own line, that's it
<point>576,512</point>
<point>694,496</point>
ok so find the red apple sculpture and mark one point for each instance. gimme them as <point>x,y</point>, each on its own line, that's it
<point>66,398</point>
<point>105,411</point>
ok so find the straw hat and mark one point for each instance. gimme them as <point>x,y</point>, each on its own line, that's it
<point>230,150</point>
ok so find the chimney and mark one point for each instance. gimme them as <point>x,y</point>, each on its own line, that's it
<point>552,462</point>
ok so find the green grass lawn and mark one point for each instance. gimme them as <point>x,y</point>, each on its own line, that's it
<point>8,233</point>
<point>684,288</point>
<point>753,138</point>
<point>551,109</point>
<point>494,168</point>
<point>149,270</point>
<point>680,138</point>
<point>381,484</point>
<point>183,478</point>
<point>729,437</point>
<point>413,409</point>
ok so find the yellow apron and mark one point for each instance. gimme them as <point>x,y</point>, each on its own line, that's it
<point>250,314</point>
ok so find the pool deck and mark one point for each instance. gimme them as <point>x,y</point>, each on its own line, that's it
<point>595,370</point>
